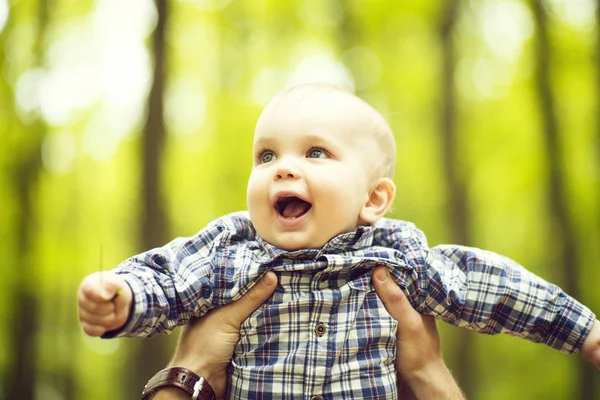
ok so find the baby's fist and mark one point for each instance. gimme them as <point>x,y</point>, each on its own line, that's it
<point>104,300</point>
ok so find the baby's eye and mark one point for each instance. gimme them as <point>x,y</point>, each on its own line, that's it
<point>267,156</point>
<point>317,152</point>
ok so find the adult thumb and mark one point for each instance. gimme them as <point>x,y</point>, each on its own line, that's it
<point>390,294</point>
<point>238,311</point>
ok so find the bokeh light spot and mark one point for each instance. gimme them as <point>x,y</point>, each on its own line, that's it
<point>579,14</point>
<point>108,128</point>
<point>505,25</point>
<point>491,79</point>
<point>28,92</point>
<point>58,152</point>
<point>57,94</point>
<point>185,106</point>
<point>365,66</point>
<point>126,74</point>
<point>99,346</point>
<point>266,83</point>
<point>117,21</point>
<point>322,68</point>
<point>3,14</point>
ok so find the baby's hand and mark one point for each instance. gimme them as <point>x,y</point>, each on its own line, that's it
<point>591,347</point>
<point>104,300</point>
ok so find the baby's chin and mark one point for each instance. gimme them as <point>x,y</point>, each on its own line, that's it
<point>291,242</point>
<point>300,240</point>
<point>291,245</point>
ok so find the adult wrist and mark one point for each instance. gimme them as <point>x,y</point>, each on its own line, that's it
<point>433,382</point>
<point>190,385</point>
<point>171,393</point>
<point>206,371</point>
<point>203,363</point>
<point>200,362</point>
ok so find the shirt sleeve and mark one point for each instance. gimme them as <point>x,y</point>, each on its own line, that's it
<point>492,294</point>
<point>171,284</point>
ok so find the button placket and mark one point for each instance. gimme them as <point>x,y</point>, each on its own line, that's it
<point>320,329</point>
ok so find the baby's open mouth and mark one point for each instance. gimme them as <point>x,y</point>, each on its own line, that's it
<point>292,207</point>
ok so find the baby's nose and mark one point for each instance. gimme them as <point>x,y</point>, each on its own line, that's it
<point>285,175</point>
<point>286,170</point>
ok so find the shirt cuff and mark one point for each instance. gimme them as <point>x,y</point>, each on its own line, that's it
<point>569,332</point>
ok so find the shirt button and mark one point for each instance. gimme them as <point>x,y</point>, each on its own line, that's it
<point>320,329</point>
<point>316,398</point>
<point>324,277</point>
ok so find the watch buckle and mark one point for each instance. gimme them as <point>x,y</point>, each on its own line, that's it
<point>198,388</point>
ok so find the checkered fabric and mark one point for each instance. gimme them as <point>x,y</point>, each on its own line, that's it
<point>325,332</point>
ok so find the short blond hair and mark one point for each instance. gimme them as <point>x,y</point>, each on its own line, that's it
<point>381,133</point>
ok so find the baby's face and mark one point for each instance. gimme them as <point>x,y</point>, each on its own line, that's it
<point>313,166</point>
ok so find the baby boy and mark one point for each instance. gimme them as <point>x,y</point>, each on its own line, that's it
<point>320,186</point>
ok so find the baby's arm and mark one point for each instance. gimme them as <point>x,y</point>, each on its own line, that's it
<point>169,285</point>
<point>485,292</point>
<point>104,300</point>
<point>492,294</point>
<point>489,293</point>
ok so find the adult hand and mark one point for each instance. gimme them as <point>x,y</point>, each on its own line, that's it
<point>206,344</point>
<point>419,363</point>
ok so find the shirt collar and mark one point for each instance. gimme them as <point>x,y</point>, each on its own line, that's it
<point>360,238</point>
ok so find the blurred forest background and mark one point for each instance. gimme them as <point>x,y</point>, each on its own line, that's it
<point>124,124</point>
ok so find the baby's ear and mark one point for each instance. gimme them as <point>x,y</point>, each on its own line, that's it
<point>380,200</point>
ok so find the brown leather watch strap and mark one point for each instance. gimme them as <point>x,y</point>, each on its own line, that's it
<point>197,387</point>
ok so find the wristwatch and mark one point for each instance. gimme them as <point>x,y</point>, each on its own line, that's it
<point>182,378</point>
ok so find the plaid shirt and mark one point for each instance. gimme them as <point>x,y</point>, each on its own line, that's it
<point>325,332</point>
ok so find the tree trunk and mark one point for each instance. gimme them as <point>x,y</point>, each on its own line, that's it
<point>24,326</point>
<point>348,34</point>
<point>464,352</point>
<point>151,355</point>
<point>24,321</point>
<point>598,99</point>
<point>564,231</point>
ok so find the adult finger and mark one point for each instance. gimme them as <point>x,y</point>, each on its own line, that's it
<point>417,337</point>
<point>397,304</point>
<point>391,295</point>
<point>238,311</point>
